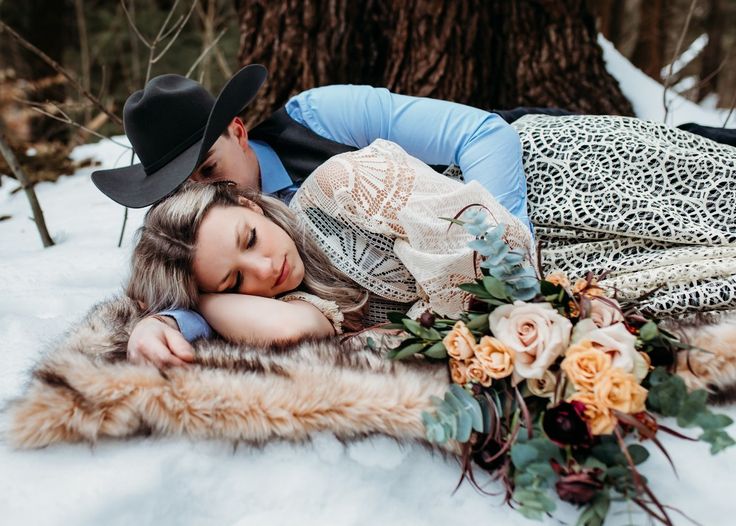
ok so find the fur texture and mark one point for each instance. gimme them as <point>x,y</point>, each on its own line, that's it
<point>84,390</point>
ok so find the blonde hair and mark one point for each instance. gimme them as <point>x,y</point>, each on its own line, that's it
<point>162,276</point>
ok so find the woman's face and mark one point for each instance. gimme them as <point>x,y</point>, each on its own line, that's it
<point>239,250</point>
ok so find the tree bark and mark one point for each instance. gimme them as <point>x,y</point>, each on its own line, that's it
<point>710,64</point>
<point>485,53</point>
<point>651,46</point>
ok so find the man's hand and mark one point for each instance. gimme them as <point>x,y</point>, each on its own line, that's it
<point>158,341</point>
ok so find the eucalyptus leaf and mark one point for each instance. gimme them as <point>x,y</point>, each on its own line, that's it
<point>409,350</point>
<point>469,405</point>
<point>522,455</point>
<point>436,351</point>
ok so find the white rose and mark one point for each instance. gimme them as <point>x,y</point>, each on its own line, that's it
<point>605,311</point>
<point>535,332</point>
<point>618,343</point>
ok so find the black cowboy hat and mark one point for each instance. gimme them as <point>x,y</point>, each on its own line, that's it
<point>172,123</point>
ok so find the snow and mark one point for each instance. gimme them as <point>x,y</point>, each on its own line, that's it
<point>176,481</point>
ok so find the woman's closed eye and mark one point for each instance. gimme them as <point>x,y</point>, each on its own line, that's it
<point>239,276</point>
<point>208,171</point>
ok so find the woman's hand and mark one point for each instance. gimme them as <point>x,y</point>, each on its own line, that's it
<point>258,320</point>
<point>158,341</point>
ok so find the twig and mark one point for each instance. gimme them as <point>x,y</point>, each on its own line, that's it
<point>205,52</point>
<point>125,213</point>
<point>680,41</point>
<point>132,25</point>
<point>86,68</point>
<point>38,107</point>
<point>15,167</point>
<point>178,31</point>
<point>56,66</point>
<point>730,112</point>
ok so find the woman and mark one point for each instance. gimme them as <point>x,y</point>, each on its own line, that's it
<point>373,215</point>
<point>643,201</point>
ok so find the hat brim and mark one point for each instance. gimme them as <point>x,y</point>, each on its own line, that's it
<point>130,186</point>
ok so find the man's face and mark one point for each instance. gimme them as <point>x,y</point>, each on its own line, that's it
<point>231,159</point>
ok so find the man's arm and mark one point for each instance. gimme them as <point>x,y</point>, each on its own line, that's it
<point>485,147</point>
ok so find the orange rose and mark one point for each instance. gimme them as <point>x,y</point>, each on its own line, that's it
<point>584,364</point>
<point>496,359</point>
<point>619,390</point>
<point>582,286</point>
<point>458,372</point>
<point>558,277</point>
<point>459,342</point>
<point>601,420</point>
<point>477,374</point>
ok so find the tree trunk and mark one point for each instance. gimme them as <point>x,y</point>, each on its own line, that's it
<point>485,53</point>
<point>649,53</point>
<point>710,64</point>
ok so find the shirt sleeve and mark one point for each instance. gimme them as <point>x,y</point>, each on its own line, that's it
<point>482,144</point>
<point>191,324</point>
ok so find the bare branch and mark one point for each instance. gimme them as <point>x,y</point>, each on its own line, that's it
<point>730,112</point>
<point>178,31</point>
<point>134,27</point>
<point>25,183</point>
<point>166,21</point>
<point>38,107</point>
<point>56,66</point>
<point>205,51</point>
<point>680,41</point>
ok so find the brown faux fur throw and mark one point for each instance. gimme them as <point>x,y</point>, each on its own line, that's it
<point>84,389</point>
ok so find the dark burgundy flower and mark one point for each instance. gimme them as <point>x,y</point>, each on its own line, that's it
<point>579,488</point>
<point>427,320</point>
<point>565,426</point>
<point>484,455</point>
<point>661,356</point>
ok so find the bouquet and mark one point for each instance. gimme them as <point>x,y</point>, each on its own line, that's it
<point>555,385</point>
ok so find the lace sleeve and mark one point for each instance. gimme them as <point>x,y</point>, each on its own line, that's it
<point>379,215</point>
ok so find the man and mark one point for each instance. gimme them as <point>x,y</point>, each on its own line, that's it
<point>180,131</point>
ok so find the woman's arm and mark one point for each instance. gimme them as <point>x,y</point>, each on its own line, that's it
<point>258,320</point>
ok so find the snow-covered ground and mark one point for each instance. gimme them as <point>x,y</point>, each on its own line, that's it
<point>169,481</point>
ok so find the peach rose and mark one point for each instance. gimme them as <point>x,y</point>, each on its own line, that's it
<point>495,358</point>
<point>557,277</point>
<point>544,386</point>
<point>601,420</point>
<point>605,311</point>
<point>582,286</point>
<point>476,373</point>
<point>459,342</point>
<point>615,341</point>
<point>535,332</point>
<point>458,372</point>
<point>619,390</point>
<point>584,364</point>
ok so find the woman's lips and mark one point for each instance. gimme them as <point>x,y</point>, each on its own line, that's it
<point>284,273</point>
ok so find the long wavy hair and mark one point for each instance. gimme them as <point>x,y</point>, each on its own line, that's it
<point>162,274</point>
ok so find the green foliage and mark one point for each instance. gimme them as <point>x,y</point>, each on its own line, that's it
<point>506,278</point>
<point>455,417</point>
<point>595,513</point>
<point>668,396</point>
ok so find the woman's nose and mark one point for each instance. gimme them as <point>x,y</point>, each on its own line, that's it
<point>259,267</point>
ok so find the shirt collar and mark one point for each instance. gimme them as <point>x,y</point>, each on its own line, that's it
<point>273,173</point>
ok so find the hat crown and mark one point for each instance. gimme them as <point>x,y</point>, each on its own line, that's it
<point>164,118</point>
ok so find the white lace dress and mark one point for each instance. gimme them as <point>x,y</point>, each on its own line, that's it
<point>377,213</point>
<point>652,205</point>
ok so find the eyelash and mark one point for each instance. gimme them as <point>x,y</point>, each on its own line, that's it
<point>239,278</point>
<point>208,170</point>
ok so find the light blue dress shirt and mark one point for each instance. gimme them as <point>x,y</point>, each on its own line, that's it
<point>482,144</point>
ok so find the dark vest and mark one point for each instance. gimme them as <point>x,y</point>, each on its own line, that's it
<point>300,149</point>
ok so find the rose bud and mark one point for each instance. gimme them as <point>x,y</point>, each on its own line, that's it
<point>579,488</point>
<point>565,426</point>
<point>426,320</point>
<point>484,457</point>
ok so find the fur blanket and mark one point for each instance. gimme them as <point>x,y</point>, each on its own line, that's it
<point>84,389</point>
